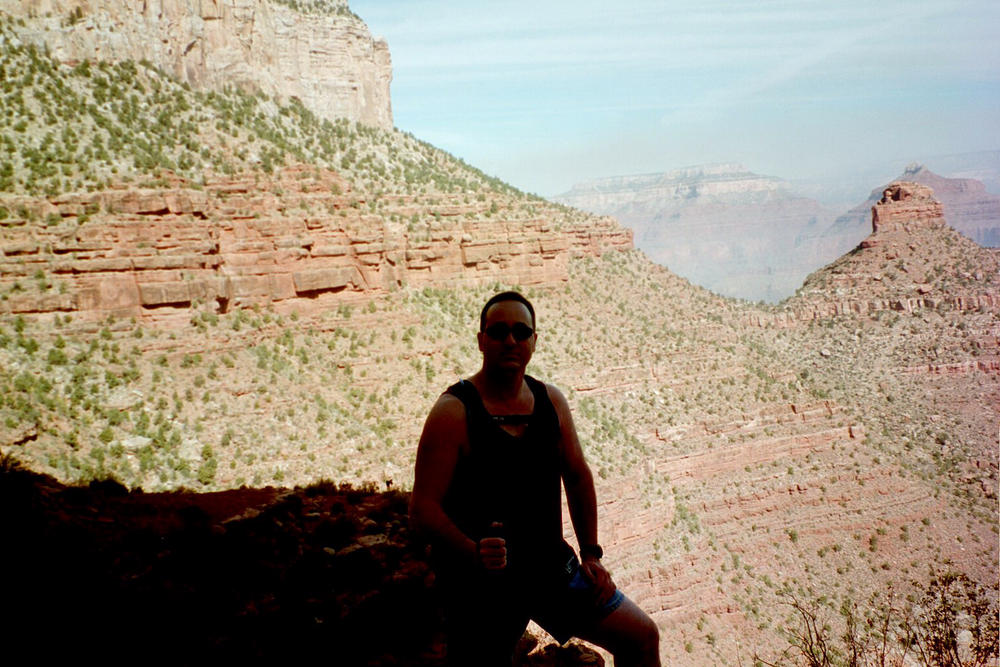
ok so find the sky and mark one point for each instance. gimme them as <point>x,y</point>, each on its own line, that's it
<point>546,94</point>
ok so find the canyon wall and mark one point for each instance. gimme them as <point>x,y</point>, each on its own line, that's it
<point>327,60</point>
<point>152,254</point>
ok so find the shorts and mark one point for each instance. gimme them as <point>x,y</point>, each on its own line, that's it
<point>562,614</point>
<point>486,615</point>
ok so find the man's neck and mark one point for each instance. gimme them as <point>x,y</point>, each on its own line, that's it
<point>500,384</point>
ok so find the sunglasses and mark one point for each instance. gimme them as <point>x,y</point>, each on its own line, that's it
<point>499,331</point>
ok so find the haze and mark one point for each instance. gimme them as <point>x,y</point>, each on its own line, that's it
<point>546,94</point>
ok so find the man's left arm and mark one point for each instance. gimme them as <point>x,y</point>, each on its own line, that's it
<point>580,496</point>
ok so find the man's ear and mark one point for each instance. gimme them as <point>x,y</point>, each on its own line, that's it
<point>479,339</point>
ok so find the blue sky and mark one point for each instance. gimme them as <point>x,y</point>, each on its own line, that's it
<point>546,94</point>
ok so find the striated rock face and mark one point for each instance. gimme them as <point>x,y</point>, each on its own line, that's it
<point>905,207</point>
<point>650,193</point>
<point>152,254</point>
<point>328,61</point>
<point>720,226</point>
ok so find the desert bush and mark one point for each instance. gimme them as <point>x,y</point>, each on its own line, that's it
<point>953,623</point>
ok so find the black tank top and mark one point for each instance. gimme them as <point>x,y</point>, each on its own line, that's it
<point>513,480</point>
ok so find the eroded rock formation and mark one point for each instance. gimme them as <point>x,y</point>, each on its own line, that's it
<point>966,205</point>
<point>911,261</point>
<point>904,207</point>
<point>153,254</point>
<point>327,60</point>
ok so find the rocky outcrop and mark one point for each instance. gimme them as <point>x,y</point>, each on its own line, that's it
<point>328,61</point>
<point>720,226</point>
<point>911,261</point>
<point>966,205</point>
<point>904,207</point>
<point>153,254</point>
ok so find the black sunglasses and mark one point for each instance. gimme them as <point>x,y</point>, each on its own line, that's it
<point>499,331</point>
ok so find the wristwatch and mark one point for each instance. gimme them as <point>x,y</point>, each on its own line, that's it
<point>592,550</point>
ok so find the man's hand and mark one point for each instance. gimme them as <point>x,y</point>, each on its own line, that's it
<point>492,553</point>
<point>595,573</point>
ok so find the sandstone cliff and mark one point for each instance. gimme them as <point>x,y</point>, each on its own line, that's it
<point>328,60</point>
<point>155,199</point>
<point>154,253</point>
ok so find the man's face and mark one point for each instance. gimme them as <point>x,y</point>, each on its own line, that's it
<point>511,318</point>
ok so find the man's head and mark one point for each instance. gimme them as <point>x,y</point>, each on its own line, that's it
<point>507,332</point>
<point>505,296</point>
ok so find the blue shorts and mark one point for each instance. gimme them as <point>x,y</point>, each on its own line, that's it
<point>562,615</point>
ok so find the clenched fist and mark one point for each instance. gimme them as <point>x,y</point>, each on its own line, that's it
<point>492,551</point>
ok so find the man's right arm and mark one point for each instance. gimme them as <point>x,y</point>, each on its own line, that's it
<point>442,440</point>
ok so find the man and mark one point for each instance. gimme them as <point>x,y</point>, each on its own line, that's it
<point>493,453</point>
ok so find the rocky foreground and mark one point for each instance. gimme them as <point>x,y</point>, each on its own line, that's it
<point>249,574</point>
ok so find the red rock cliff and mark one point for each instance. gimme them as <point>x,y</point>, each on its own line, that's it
<point>153,254</point>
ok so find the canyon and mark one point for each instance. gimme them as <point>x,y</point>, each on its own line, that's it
<point>232,342</point>
<point>749,236</point>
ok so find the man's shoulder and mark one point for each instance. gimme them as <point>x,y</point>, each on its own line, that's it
<point>553,392</point>
<point>448,407</point>
<point>445,425</point>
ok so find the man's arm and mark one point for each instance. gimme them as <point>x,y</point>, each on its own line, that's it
<point>442,440</point>
<point>580,494</point>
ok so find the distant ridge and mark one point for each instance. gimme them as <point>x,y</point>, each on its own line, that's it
<point>719,225</point>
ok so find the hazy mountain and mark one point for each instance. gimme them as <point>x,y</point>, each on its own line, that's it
<point>720,226</point>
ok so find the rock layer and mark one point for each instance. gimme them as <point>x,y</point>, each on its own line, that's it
<point>329,62</point>
<point>153,254</point>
